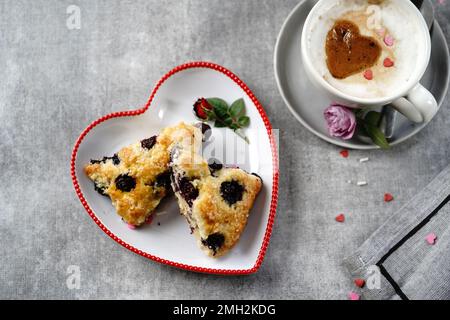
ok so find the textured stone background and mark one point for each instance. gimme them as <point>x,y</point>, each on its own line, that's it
<point>55,81</point>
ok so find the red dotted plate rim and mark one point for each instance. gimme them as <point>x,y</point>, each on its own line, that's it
<point>274,200</point>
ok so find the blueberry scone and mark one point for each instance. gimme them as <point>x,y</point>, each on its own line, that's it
<point>215,200</point>
<point>137,178</point>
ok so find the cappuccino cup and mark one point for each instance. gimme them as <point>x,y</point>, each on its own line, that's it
<point>369,53</point>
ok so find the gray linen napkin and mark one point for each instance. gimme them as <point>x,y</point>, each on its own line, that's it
<point>397,262</point>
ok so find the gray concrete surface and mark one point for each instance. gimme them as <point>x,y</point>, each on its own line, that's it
<point>54,81</point>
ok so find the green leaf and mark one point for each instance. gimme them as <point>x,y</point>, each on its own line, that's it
<point>244,121</point>
<point>228,121</point>
<point>237,108</point>
<point>231,117</point>
<point>217,102</point>
<point>376,135</point>
<point>219,124</point>
<point>359,113</point>
<point>211,115</point>
<point>220,107</point>
<point>372,118</point>
<point>361,129</point>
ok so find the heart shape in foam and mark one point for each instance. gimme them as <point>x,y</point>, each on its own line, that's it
<point>168,239</point>
<point>348,52</point>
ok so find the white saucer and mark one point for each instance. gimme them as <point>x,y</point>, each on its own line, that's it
<point>307,105</point>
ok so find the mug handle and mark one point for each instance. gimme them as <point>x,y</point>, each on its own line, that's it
<point>418,106</point>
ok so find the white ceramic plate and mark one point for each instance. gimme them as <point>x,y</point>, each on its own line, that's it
<point>307,104</point>
<point>167,239</point>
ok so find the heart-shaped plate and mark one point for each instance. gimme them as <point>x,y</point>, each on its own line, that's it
<point>167,239</point>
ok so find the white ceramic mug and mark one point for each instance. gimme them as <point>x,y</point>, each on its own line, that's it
<point>413,101</point>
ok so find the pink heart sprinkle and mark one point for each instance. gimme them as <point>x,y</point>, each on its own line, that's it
<point>353,296</point>
<point>389,40</point>
<point>381,32</point>
<point>131,226</point>
<point>431,238</point>
<point>368,74</point>
<point>388,63</point>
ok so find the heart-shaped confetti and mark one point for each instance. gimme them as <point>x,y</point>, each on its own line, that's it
<point>360,282</point>
<point>344,153</point>
<point>340,218</point>
<point>388,197</point>
<point>431,238</point>
<point>388,63</point>
<point>368,74</point>
<point>389,40</point>
<point>354,296</point>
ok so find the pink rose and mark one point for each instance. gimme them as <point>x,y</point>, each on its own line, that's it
<point>341,121</point>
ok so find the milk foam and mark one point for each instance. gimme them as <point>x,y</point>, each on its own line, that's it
<point>396,19</point>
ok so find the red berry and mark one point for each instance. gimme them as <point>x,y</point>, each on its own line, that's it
<point>368,74</point>
<point>388,197</point>
<point>388,63</point>
<point>199,108</point>
<point>344,153</point>
<point>360,282</point>
<point>340,218</point>
<point>149,219</point>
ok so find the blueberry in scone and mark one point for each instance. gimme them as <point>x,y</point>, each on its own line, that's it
<point>148,143</point>
<point>231,191</point>
<point>137,178</point>
<point>215,200</point>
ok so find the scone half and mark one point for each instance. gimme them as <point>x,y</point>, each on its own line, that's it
<point>215,200</point>
<point>137,178</point>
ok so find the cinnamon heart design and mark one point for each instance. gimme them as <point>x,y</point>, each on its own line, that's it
<point>348,52</point>
<point>168,240</point>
